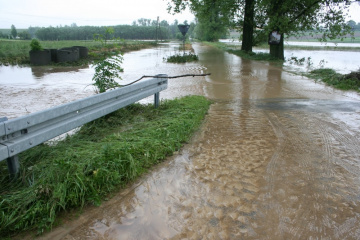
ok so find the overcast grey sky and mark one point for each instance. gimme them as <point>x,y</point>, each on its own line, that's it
<point>43,13</point>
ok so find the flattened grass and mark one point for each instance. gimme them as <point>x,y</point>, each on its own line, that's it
<point>103,156</point>
<point>332,78</point>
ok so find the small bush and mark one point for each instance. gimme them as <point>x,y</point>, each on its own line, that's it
<point>35,45</point>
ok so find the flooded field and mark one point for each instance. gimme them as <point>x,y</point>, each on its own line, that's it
<point>30,89</point>
<point>277,157</point>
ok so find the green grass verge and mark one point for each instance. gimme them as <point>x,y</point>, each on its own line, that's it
<point>104,155</point>
<point>13,52</point>
<point>332,78</point>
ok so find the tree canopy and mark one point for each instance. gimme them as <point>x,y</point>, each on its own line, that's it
<point>213,16</point>
<point>289,17</point>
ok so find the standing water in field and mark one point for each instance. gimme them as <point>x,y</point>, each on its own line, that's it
<point>277,157</point>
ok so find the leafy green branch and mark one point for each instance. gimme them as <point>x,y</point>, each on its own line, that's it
<point>107,70</point>
<point>106,73</point>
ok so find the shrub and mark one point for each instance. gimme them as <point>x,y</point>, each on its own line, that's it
<point>35,45</point>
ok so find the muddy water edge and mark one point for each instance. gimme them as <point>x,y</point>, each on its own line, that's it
<point>278,157</point>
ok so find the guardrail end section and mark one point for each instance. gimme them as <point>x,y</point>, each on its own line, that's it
<point>2,127</point>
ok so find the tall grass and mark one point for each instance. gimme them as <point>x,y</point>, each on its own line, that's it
<point>103,156</point>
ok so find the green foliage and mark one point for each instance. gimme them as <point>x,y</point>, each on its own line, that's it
<point>88,32</point>
<point>182,58</point>
<point>103,38</point>
<point>86,166</point>
<point>106,73</point>
<point>213,16</point>
<point>301,61</point>
<point>24,35</point>
<point>107,69</point>
<point>345,82</point>
<point>35,45</point>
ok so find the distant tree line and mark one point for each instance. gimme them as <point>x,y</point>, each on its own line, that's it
<point>142,29</point>
<point>88,32</point>
<point>353,25</point>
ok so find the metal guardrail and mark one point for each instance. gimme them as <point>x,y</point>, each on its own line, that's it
<point>20,134</point>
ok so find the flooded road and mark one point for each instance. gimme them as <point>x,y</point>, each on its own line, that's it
<point>278,157</point>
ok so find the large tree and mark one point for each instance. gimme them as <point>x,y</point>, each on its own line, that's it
<point>324,18</point>
<point>248,26</point>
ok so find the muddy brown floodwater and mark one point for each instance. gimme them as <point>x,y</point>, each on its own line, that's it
<point>278,157</point>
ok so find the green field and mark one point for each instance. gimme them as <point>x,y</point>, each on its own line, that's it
<point>13,52</point>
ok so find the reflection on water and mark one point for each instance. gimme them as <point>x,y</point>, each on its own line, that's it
<point>40,72</point>
<point>276,158</point>
<point>341,61</point>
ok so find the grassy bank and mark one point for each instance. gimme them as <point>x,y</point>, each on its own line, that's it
<point>104,155</point>
<point>349,81</point>
<point>13,52</point>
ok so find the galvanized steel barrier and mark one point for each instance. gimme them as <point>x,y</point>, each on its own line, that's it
<point>20,134</point>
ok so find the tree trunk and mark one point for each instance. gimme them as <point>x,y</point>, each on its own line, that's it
<point>248,28</point>
<point>277,50</point>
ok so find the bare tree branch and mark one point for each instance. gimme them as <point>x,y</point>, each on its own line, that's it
<point>170,77</point>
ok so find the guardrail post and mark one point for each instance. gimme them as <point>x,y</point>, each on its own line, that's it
<point>12,162</point>
<point>156,99</point>
<point>13,166</point>
<point>157,95</point>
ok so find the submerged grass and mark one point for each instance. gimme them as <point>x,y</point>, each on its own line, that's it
<point>182,58</point>
<point>331,77</point>
<point>103,156</point>
<point>243,54</point>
